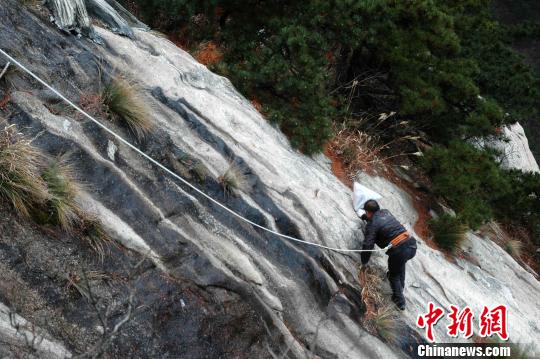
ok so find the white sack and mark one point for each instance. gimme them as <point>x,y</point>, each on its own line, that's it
<point>361,195</point>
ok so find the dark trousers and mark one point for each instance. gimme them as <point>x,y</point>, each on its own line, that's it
<point>397,259</point>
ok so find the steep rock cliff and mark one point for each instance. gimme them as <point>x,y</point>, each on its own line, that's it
<point>212,285</point>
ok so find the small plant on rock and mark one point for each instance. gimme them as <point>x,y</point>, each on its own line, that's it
<point>234,178</point>
<point>385,322</point>
<point>94,235</point>
<point>514,247</point>
<point>381,318</point>
<point>124,102</point>
<point>20,172</point>
<point>448,232</point>
<point>190,167</point>
<point>62,208</point>
<point>199,170</point>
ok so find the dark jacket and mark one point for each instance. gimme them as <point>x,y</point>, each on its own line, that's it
<point>380,230</point>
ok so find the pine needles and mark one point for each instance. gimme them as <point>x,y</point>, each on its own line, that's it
<point>448,232</point>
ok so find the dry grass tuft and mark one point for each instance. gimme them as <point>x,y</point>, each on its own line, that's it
<point>514,247</point>
<point>381,318</point>
<point>234,179</point>
<point>200,171</point>
<point>94,235</point>
<point>124,101</point>
<point>359,151</point>
<point>365,150</point>
<point>45,189</point>
<point>63,188</point>
<point>385,322</point>
<point>193,168</point>
<point>20,172</point>
<point>209,54</point>
<point>371,288</point>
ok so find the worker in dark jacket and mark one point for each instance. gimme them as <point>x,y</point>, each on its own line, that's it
<point>383,229</point>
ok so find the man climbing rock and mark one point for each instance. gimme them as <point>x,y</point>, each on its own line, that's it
<point>383,229</point>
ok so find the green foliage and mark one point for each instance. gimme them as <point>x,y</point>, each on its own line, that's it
<point>501,73</point>
<point>20,172</point>
<point>479,189</point>
<point>125,103</point>
<point>521,204</point>
<point>437,57</point>
<point>469,178</point>
<point>448,231</point>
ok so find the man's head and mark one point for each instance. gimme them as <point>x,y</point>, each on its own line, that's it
<point>371,207</point>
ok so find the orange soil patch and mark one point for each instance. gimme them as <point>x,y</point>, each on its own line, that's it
<point>258,106</point>
<point>338,167</point>
<point>209,54</point>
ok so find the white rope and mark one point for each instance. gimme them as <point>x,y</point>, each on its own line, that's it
<point>134,148</point>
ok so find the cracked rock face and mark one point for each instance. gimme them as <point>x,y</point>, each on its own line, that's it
<point>213,286</point>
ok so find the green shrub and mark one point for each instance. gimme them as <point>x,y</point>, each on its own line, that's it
<point>124,102</point>
<point>469,178</point>
<point>448,232</point>
<point>20,172</point>
<point>521,203</point>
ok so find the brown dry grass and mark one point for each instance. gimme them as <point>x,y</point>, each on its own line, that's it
<point>124,101</point>
<point>21,165</point>
<point>94,235</point>
<point>358,150</point>
<point>209,53</point>
<point>92,103</point>
<point>381,318</point>
<point>234,179</point>
<point>257,104</point>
